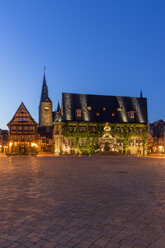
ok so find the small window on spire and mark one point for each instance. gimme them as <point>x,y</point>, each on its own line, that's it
<point>89,108</point>
<point>119,109</point>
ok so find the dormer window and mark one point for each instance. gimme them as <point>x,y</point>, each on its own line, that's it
<point>89,108</point>
<point>104,108</point>
<point>119,109</point>
<point>132,114</point>
<point>78,113</point>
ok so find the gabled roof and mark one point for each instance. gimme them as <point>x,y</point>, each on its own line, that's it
<point>101,108</point>
<point>157,128</point>
<point>20,112</point>
<point>156,123</point>
<point>44,92</point>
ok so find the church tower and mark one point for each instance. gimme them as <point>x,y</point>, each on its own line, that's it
<point>45,107</point>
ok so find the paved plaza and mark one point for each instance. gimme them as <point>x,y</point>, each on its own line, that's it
<point>81,202</point>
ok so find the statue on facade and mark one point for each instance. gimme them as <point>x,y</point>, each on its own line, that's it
<point>107,132</point>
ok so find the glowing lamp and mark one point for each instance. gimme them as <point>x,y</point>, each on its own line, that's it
<point>34,145</point>
<point>10,144</point>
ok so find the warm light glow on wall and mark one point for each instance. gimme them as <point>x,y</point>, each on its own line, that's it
<point>34,145</point>
<point>161,148</point>
<point>10,144</point>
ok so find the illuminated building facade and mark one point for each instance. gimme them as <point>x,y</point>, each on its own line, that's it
<point>22,130</point>
<point>87,124</point>
<point>156,141</point>
<point>93,123</point>
<point>84,124</point>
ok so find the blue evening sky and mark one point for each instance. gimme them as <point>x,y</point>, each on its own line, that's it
<point>113,47</point>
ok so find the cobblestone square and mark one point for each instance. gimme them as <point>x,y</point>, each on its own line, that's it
<point>81,202</point>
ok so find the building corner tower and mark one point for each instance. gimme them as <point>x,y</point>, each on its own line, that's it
<point>45,107</point>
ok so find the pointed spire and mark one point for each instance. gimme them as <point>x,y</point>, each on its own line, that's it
<point>58,107</point>
<point>44,93</point>
<point>141,94</point>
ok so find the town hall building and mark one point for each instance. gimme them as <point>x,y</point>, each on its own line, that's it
<point>87,124</point>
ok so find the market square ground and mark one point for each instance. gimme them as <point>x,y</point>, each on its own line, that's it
<point>82,202</point>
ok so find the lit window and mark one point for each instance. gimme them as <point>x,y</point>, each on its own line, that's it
<point>97,114</point>
<point>104,108</point>
<point>113,114</point>
<point>89,108</point>
<point>119,109</point>
<point>78,112</point>
<point>132,114</point>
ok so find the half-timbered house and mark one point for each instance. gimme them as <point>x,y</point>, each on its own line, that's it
<point>22,129</point>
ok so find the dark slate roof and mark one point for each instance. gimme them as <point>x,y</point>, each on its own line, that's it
<point>44,93</point>
<point>106,106</point>
<point>157,128</point>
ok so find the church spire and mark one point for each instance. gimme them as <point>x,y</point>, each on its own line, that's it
<point>44,93</point>
<point>141,94</point>
<point>58,107</point>
<point>45,106</point>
